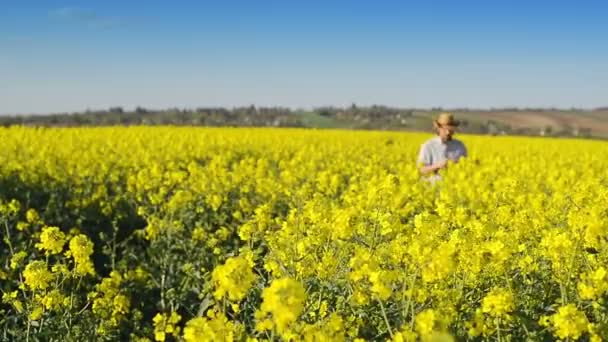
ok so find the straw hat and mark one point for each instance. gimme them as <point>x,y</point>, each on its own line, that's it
<point>445,119</point>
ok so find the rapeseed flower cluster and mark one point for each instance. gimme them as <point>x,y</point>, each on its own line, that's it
<point>213,327</point>
<point>51,240</point>
<point>110,305</point>
<point>568,322</point>
<point>166,325</point>
<point>233,279</point>
<point>498,303</point>
<point>283,301</point>
<point>80,250</point>
<point>37,275</point>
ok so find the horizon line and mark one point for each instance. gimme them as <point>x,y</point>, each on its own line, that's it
<point>313,108</point>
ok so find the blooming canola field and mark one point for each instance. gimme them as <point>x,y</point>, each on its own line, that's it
<point>233,234</point>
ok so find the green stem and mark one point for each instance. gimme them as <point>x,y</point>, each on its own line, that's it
<point>388,326</point>
<point>8,238</point>
<point>498,329</point>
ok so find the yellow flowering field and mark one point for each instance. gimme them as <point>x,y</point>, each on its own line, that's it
<point>226,234</point>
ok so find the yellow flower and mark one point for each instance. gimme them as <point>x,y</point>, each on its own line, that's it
<point>36,313</point>
<point>17,259</point>
<point>81,249</point>
<point>37,275</point>
<point>476,326</point>
<point>21,226</point>
<point>159,335</point>
<point>51,240</point>
<point>60,269</point>
<point>109,304</point>
<point>52,300</point>
<point>331,329</point>
<point>214,327</point>
<point>498,303</point>
<point>233,279</point>
<point>405,335</point>
<point>284,300</point>
<point>11,298</point>
<point>13,207</point>
<point>164,325</point>
<point>425,322</point>
<point>199,234</point>
<point>31,216</point>
<point>120,306</point>
<point>569,322</point>
<point>430,326</point>
<point>593,284</point>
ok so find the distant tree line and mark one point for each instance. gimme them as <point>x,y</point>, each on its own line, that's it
<point>353,117</point>
<point>242,116</point>
<point>215,116</point>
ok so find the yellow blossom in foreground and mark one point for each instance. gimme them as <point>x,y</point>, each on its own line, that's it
<point>284,301</point>
<point>430,326</point>
<point>593,284</point>
<point>51,240</point>
<point>109,304</point>
<point>214,327</point>
<point>165,324</point>
<point>498,303</point>
<point>37,275</point>
<point>36,313</point>
<point>81,249</point>
<point>52,300</point>
<point>233,279</point>
<point>11,298</point>
<point>331,329</point>
<point>569,322</point>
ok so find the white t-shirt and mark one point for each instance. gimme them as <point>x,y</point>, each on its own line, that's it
<point>435,151</point>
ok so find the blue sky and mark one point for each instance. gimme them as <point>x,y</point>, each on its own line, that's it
<point>60,56</point>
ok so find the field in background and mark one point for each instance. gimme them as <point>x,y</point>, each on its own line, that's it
<point>528,122</point>
<point>574,123</point>
<point>547,123</point>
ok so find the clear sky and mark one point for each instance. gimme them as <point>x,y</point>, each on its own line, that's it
<point>60,56</point>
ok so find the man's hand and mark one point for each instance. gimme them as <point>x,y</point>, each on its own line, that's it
<point>442,164</point>
<point>434,167</point>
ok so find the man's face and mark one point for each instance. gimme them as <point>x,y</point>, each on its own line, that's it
<point>446,132</point>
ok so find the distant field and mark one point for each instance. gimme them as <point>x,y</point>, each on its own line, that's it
<point>529,122</point>
<point>595,121</point>
<point>564,123</point>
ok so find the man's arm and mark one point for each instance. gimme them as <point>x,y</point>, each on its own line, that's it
<point>425,161</point>
<point>426,169</point>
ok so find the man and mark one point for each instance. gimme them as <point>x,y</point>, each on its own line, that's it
<point>436,152</point>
